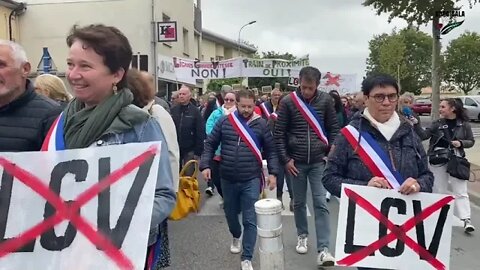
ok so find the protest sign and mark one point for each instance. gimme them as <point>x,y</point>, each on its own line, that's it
<point>272,67</point>
<point>77,209</point>
<point>191,70</point>
<point>343,83</point>
<point>384,229</point>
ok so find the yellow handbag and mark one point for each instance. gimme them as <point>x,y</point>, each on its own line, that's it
<point>188,195</point>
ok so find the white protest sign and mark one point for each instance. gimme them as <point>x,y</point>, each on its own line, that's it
<point>343,83</point>
<point>423,221</point>
<point>191,70</point>
<point>272,67</point>
<point>166,70</point>
<point>77,209</point>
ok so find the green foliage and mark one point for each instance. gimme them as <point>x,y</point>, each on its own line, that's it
<point>462,61</point>
<point>259,82</point>
<point>216,85</point>
<point>405,55</point>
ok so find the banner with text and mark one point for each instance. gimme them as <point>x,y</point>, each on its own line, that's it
<point>191,70</point>
<point>272,67</point>
<point>343,83</point>
<point>77,209</point>
<point>381,228</point>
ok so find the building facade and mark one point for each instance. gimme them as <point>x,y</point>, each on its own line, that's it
<point>9,12</point>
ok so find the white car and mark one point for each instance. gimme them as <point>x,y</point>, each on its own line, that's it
<point>472,106</point>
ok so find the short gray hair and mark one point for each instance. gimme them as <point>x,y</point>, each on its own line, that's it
<point>18,53</point>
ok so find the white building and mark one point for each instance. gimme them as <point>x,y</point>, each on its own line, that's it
<point>46,23</point>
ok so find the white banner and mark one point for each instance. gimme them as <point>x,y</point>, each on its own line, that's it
<point>343,83</point>
<point>166,70</point>
<point>272,67</point>
<point>367,234</point>
<point>190,70</point>
<point>89,208</point>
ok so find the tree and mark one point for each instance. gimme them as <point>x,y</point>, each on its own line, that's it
<point>462,61</point>
<point>404,55</point>
<point>419,13</point>
<point>259,82</point>
<point>215,85</point>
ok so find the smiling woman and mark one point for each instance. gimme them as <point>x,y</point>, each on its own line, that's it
<point>101,112</point>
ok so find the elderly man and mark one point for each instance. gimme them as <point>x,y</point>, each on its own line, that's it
<point>190,126</point>
<point>25,116</point>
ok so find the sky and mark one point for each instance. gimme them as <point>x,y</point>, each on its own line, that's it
<point>335,33</point>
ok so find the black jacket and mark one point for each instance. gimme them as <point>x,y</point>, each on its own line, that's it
<point>25,122</point>
<point>238,163</point>
<point>190,128</point>
<point>345,166</point>
<point>294,137</point>
<point>462,132</point>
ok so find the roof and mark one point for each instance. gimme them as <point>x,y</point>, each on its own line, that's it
<point>11,4</point>
<point>209,35</point>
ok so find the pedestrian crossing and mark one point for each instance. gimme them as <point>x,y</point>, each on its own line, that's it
<point>212,206</point>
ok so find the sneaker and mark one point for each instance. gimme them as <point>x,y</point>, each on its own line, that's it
<point>328,196</point>
<point>291,205</point>
<point>302,244</point>
<point>247,265</point>
<point>236,246</point>
<point>221,203</point>
<point>467,225</point>
<point>325,258</point>
<point>209,191</point>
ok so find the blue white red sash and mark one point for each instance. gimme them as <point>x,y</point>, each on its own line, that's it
<point>311,116</point>
<point>373,156</point>
<point>267,112</point>
<point>247,135</point>
<point>54,140</point>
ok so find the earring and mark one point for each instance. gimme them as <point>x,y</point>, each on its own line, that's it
<point>115,89</point>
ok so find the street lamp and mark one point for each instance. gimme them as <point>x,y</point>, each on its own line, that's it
<point>252,22</point>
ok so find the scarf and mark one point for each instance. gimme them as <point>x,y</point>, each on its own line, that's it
<point>228,111</point>
<point>388,128</point>
<point>84,126</point>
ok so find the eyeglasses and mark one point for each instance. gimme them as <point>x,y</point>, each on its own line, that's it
<point>381,97</point>
<point>229,100</point>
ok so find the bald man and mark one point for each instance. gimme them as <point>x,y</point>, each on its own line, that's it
<point>190,126</point>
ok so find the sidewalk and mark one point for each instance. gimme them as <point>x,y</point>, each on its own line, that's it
<point>473,155</point>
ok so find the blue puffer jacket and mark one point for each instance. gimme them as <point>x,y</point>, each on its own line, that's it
<point>238,162</point>
<point>409,158</point>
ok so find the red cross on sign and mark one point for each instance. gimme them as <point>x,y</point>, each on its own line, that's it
<point>71,211</point>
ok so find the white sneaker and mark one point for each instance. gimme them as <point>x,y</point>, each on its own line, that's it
<point>328,196</point>
<point>247,265</point>
<point>325,258</point>
<point>236,246</point>
<point>221,203</point>
<point>467,226</point>
<point>302,244</point>
<point>209,191</point>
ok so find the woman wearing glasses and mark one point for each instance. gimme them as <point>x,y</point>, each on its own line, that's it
<point>227,108</point>
<point>379,125</point>
<point>451,131</point>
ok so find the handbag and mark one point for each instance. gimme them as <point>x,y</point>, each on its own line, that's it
<point>458,167</point>
<point>188,195</point>
<point>439,156</point>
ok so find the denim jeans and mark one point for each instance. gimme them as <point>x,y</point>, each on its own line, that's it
<point>215,181</point>
<point>313,174</point>
<point>283,177</point>
<point>241,196</point>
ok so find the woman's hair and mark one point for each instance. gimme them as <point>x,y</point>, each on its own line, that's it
<point>108,42</point>
<point>381,80</point>
<point>54,86</point>
<point>211,106</point>
<point>338,102</point>
<point>458,108</point>
<point>141,88</point>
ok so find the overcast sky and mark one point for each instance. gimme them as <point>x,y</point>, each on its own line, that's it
<point>334,33</point>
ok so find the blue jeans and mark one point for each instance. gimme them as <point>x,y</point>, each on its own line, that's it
<point>241,196</point>
<point>283,177</point>
<point>312,172</point>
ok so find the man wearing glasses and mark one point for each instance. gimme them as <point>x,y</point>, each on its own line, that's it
<point>305,129</point>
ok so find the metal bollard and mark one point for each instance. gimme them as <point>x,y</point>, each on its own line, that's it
<point>269,230</point>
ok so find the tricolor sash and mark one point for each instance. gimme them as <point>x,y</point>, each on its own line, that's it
<point>373,156</point>
<point>311,116</point>
<point>251,140</point>
<point>54,140</point>
<point>267,112</point>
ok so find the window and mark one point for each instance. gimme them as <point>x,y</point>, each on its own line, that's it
<point>219,58</point>
<point>186,43</point>
<point>470,102</point>
<point>140,62</point>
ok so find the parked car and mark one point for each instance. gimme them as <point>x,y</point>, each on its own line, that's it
<point>472,106</point>
<point>422,106</point>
